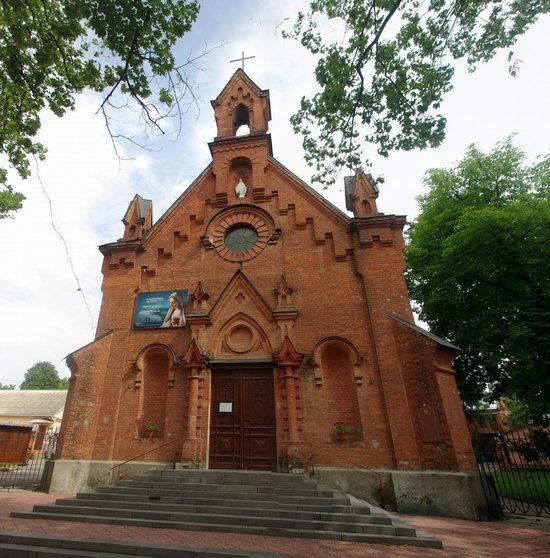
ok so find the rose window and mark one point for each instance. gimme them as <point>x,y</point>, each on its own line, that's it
<point>241,238</point>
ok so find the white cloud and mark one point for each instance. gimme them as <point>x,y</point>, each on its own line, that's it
<point>44,317</point>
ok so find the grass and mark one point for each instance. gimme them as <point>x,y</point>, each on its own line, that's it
<point>524,484</point>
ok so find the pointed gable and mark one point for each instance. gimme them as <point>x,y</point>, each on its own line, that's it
<point>195,357</point>
<point>288,355</point>
<point>361,193</point>
<point>241,102</point>
<point>241,289</point>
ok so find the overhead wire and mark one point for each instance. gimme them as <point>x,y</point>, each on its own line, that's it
<point>56,228</point>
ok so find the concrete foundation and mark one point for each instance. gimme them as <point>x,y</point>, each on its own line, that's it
<point>438,493</point>
<point>66,475</point>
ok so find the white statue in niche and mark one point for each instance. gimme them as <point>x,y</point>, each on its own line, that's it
<point>241,189</point>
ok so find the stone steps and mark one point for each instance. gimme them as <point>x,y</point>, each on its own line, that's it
<point>235,502</point>
<point>320,498</point>
<point>363,526</point>
<point>20,545</point>
<point>241,488</point>
<point>325,515</point>
<point>226,503</point>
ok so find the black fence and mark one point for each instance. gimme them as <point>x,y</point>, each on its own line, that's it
<point>515,471</point>
<point>29,475</point>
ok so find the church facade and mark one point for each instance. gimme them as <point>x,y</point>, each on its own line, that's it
<point>257,326</point>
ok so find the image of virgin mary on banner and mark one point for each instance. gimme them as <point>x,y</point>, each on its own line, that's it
<point>161,309</point>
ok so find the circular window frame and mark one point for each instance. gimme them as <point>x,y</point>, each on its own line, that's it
<point>241,216</point>
<point>240,227</point>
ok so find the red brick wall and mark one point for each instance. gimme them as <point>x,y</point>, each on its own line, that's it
<point>346,276</point>
<point>440,427</point>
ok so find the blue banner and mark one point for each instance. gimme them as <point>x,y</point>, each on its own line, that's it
<point>161,309</point>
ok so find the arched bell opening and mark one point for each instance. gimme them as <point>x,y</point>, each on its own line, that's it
<point>241,120</point>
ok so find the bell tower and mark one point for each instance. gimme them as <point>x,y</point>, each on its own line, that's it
<point>242,145</point>
<point>241,103</point>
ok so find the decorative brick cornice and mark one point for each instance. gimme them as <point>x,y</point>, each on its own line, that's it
<point>134,245</point>
<point>378,221</point>
<point>240,143</point>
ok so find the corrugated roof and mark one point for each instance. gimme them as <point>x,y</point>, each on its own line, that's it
<point>32,402</point>
<point>425,332</point>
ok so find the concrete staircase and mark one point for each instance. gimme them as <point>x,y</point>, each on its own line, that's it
<point>248,502</point>
<point>24,545</point>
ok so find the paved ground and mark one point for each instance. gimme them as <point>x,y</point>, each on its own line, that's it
<point>517,538</point>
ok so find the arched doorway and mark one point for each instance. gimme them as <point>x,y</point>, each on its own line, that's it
<point>242,405</point>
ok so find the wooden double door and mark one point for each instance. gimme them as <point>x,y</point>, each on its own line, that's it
<point>242,420</point>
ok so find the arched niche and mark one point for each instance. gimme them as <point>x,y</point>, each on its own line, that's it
<point>242,337</point>
<point>240,168</point>
<point>155,370</point>
<point>355,358</point>
<point>336,362</point>
<point>148,352</point>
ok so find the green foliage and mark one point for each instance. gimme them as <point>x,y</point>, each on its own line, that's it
<point>63,383</point>
<point>478,267</point>
<point>346,427</point>
<point>7,386</point>
<point>43,375</point>
<point>150,426</point>
<point>382,79</point>
<point>519,413</point>
<point>522,484</point>
<point>536,448</point>
<point>51,50</point>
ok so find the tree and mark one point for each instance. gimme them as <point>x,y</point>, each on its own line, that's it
<point>43,375</point>
<point>51,50</point>
<point>519,414</point>
<point>383,78</point>
<point>479,271</point>
<point>6,386</point>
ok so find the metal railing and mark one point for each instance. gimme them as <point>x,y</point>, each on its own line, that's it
<point>118,476</point>
<point>515,471</point>
<point>29,474</point>
<point>311,464</point>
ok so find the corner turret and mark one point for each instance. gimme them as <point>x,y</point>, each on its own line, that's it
<point>138,218</point>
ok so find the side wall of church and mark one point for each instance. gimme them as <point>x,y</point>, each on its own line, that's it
<point>440,428</point>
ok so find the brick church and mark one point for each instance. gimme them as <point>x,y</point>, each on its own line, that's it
<point>254,321</point>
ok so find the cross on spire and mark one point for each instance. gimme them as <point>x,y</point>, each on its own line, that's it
<point>242,59</point>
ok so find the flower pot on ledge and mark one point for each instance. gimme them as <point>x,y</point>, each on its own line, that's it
<point>343,436</point>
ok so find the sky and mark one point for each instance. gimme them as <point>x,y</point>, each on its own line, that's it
<point>44,314</point>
